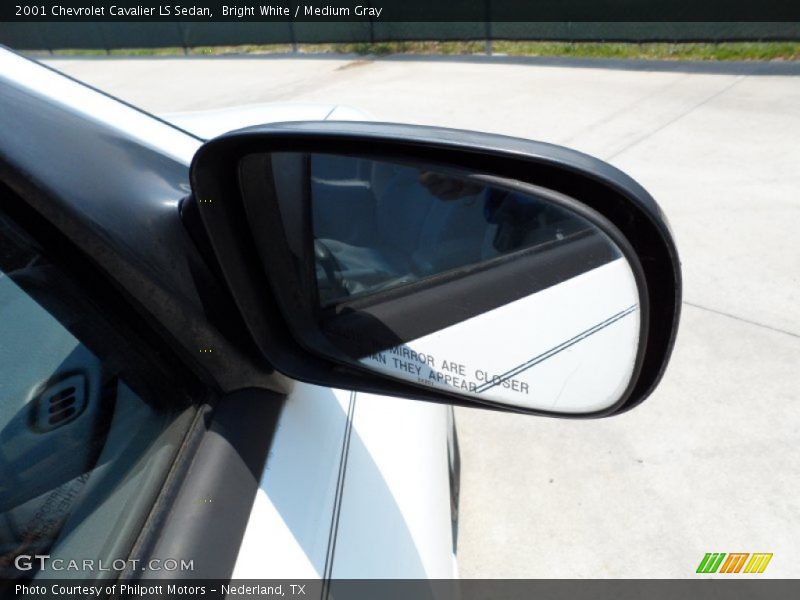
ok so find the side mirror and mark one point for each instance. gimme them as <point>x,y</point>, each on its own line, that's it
<point>442,265</point>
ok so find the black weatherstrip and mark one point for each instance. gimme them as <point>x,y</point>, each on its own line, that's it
<point>205,519</point>
<point>337,502</point>
<point>555,350</point>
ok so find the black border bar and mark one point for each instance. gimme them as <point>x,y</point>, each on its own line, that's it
<point>732,587</point>
<point>385,11</point>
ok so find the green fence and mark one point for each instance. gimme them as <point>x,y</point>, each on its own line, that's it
<point>111,35</point>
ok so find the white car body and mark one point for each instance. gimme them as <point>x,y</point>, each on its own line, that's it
<point>356,485</point>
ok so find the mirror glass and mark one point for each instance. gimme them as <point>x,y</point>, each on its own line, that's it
<point>484,287</point>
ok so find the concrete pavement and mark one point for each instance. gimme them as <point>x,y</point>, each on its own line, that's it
<point>709,463</point>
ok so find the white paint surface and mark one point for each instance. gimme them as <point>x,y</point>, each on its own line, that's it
<point>395,518</point>
<point>287,534</point>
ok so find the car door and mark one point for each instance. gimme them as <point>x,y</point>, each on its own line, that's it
<point>112,179</point>
<point>361,491</point>
<point>356,485</point>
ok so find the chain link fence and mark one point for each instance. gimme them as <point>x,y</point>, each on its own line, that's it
<point>112,35</point>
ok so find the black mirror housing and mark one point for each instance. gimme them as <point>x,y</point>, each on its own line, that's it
<point>328,272</point>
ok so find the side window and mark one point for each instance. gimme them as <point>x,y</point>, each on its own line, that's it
<point>83,448</point>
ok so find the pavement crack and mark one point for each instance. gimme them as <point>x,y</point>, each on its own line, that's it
<point>571,139</point>
<point>354,63</point>
<point>742,319</point>
<point>677,118</point>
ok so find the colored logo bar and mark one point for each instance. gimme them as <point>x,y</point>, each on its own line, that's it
<point>734,562</point>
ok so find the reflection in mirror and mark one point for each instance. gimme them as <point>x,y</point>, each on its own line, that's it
<point>379,225</point>
<point>486,288</point>
<point>569,348</point>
